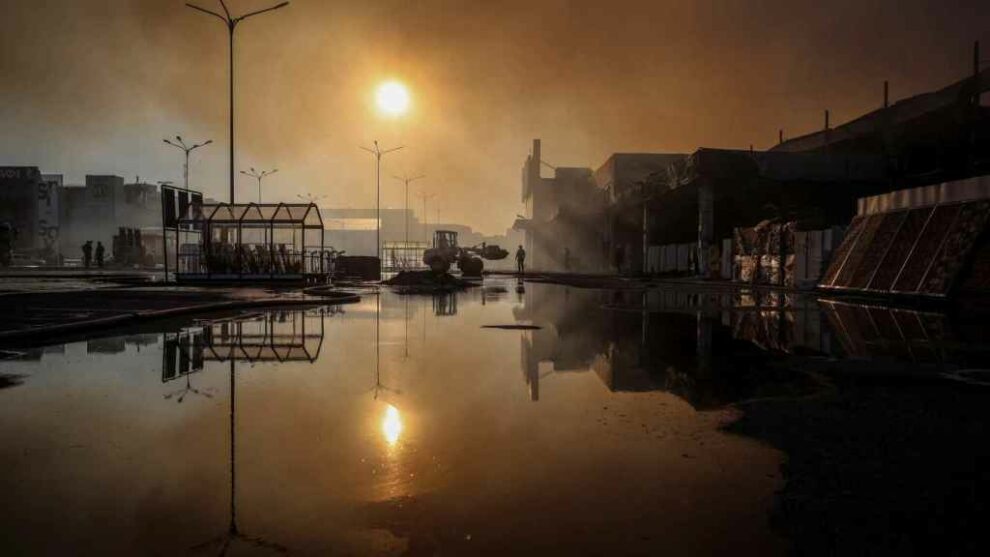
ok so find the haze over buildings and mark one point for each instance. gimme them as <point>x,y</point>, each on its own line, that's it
<point>92,86</point>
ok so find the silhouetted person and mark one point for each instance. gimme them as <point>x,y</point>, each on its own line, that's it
<point>521,260</point>
<point>619,255</point>
<point>6,244</point>
<point>87,250</point>
<point>99,254</point>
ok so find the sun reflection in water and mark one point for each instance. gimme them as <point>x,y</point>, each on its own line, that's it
<point>392,425</point>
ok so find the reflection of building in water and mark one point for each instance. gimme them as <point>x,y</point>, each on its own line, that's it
<point>570,335</point>
<point>281,335</point>
<point>712,349</point>
<point>117,344</point>
<point>108,345</point>
<point>891,334</point>
<point>142,339</point>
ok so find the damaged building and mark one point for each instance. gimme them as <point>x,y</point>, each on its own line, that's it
<point>777,216</point>
<point>563,216</point>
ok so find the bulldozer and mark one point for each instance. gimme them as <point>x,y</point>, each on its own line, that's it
<point>470,260</point>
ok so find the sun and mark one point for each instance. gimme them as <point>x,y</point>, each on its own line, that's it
<point>392,98</point>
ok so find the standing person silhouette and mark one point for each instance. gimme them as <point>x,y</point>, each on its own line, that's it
<point>99,254</point>
<point>521,260</point>
<point>87,250</point>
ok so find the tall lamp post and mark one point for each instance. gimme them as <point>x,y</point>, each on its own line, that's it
<point>180,144</point>
<point>426,232</point>
<point>258,176</point>
<point>378,153</point>
<point>406,179</point>
<point>231,23</point>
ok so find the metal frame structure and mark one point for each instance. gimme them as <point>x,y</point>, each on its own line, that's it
<point>280,336</point>
<point>223,242</point>
<point>403,256</point>
<point>180,199</point>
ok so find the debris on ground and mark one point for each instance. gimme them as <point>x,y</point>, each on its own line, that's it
<point>427,281</point>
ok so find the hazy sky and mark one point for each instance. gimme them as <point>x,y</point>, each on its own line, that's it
<point>92,86</point>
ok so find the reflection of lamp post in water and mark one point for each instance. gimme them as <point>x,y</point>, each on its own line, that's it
<point>233,532</point>
<point>186,390</point>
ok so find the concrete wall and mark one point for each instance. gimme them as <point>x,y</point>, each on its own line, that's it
<point>19,202</point>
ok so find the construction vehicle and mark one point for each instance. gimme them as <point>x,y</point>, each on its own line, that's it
<point>445,253</point>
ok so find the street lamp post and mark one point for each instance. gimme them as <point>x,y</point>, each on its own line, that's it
<point>258,176</point>
<point>378,153</point>
<point>406,179</point>
<point>405,248</point>
<point>231,23</point>
<point>426,232</point>
<point>180,144</point>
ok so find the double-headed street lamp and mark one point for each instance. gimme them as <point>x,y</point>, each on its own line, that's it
<point>258,176</point>
<point>180,144</point>
<point>310,198</point>
<point>406,179</point>
<point>231,23</point>
<point>378,153</point>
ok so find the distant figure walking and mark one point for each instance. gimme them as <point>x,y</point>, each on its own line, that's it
<point>521,260</point>
<point>87,250</point>
<point>99,254</point>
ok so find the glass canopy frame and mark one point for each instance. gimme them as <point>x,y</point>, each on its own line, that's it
<point>252,241</point>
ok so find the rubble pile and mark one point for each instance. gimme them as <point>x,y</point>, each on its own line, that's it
<point>427,281</point>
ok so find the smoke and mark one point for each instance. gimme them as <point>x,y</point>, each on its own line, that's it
<point>93,86</point>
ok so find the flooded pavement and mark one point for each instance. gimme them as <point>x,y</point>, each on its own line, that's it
<point>597,423</point>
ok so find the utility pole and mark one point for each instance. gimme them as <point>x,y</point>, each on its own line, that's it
<point>231,23</point>
<point>426,231</point>
<point>180,144</point>
<point>378,153</point>
<point>406,179</point>
<point>258,176</point>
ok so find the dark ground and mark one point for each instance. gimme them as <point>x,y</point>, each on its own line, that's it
<point>36,309</point>
<point>880,467</point>
<point>38,316</point>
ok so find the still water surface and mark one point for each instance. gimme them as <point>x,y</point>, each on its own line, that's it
<point>402,426</point>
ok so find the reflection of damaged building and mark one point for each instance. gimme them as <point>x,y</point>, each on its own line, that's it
<point>711,349</point>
